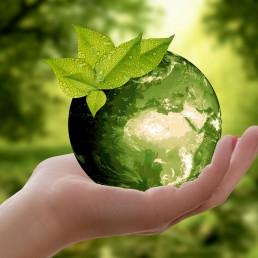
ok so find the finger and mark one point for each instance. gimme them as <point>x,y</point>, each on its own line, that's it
<point>242,158</point>
<point>246,148</point>
<point>169,205</point>
<point>192,194</point>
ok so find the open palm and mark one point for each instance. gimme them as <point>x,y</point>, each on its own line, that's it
<point>88,210</point>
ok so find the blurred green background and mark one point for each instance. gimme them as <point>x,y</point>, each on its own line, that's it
<point>220,37</point>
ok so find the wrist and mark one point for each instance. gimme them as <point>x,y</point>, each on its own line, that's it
<point>29,227</point>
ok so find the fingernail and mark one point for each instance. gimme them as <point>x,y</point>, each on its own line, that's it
<point>234,142</point>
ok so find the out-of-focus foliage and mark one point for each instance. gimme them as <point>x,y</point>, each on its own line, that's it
<point>31,30</point>
<point>236,21</point>
<point>26,84</point>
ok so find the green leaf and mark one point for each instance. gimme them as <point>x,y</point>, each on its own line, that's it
<point>101,65</point>
<point>116,68</point>
<point>79,77</point>
<point>92,45</point>
<point>152,52</point>
<point>75,76</point>
<point>95,100</point>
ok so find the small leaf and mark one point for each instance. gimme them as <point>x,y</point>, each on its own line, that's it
<point>115,69</point>
<point>92,45</point>
<point>152,52</point>
<point>75,76</point>
<point>95,100</point>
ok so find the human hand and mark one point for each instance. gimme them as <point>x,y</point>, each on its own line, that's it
<point>66,206</point>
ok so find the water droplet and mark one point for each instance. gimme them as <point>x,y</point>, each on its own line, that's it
<point>97,53</point>
<point>130,57</point>
<point>154,54</point>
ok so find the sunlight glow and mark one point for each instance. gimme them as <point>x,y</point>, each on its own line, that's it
<point>179,17</point>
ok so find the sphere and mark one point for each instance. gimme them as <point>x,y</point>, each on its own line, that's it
<point>158,129</point>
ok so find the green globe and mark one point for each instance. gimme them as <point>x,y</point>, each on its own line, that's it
<point>158,129</point>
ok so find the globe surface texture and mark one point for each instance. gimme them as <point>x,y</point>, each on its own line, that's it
<point>159,129</point>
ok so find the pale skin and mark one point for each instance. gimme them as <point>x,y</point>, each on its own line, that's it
<point>60,205</point>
